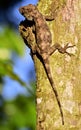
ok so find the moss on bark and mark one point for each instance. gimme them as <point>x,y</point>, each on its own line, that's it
<point>66,70</point>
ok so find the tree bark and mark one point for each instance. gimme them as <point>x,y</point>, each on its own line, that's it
<point>66,70</point>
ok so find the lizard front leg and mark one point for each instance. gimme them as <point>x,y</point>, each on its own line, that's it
<point>61,49</point>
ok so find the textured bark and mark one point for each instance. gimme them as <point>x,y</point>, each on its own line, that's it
<point>66,70</point>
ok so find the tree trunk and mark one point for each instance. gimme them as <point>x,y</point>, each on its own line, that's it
<point>66,70</point>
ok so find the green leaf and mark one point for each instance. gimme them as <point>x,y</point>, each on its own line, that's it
<point>11,40</point>
<point>6,68</point>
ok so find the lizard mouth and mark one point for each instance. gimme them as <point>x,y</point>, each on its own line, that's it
<point>29,18</point>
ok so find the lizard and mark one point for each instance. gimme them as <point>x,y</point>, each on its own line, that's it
<point>43,39</point>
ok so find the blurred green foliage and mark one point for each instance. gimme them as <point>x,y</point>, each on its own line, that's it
<point>9,42</point>
<point>19,112</point>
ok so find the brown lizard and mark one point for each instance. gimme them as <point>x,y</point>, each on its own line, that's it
<point>43,40</point>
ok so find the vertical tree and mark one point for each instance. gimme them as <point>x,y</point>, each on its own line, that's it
<point>66,69</point>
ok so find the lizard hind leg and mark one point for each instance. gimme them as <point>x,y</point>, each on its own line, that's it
<point>48,72</point>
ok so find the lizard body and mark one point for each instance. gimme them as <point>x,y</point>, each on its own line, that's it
<point>43,43</point>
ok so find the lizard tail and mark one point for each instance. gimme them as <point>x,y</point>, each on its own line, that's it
<point>48,71</point>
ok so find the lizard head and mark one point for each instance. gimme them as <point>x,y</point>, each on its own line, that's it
<point>28,11</point>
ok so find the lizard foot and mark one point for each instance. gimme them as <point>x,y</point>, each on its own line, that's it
<point>64,49</point>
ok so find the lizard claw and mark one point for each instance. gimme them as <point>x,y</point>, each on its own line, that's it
<point>67,46</point>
